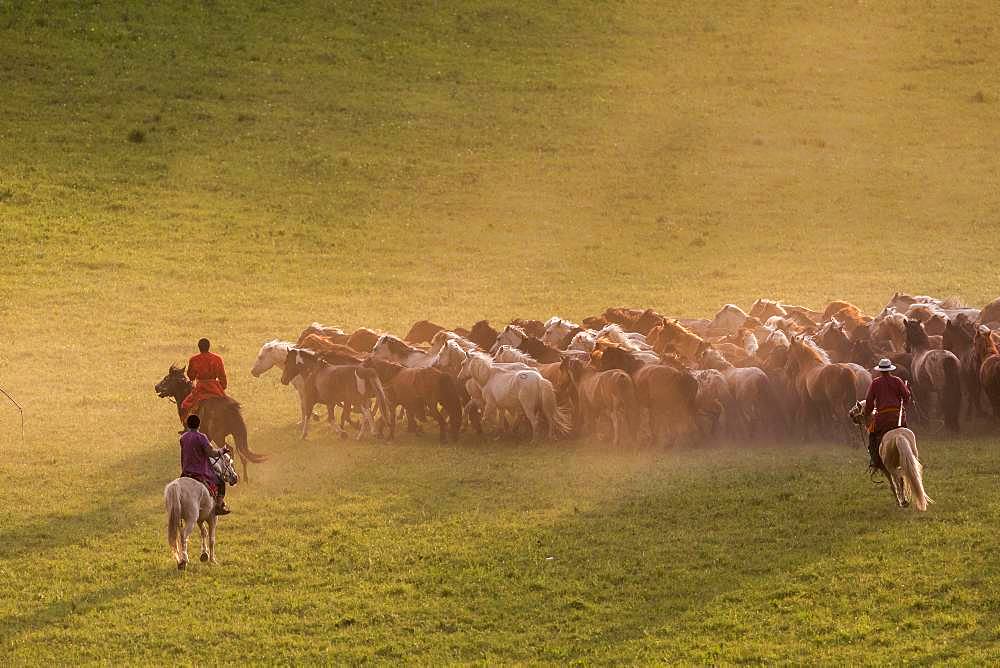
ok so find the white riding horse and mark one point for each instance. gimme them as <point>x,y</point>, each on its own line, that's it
<point>556,330</point>
<point>518,390</point>
<point>273,354</point>
<point>393,349</point>
<point>189,501</point>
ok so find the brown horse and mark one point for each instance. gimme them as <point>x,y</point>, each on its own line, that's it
<point>989,369</point>
<point>668,391</point>
<point>534,328</point>
<point>936,373</point>
<point>825,390</point>
<point>220,416</point>
<point>851,319</point>
<point>755,408</point>
<point>609,393</point>
<point>672,337</point>
<point>631,319</point>
<point>513,335</point>
<point>334,384</point>
<point>334,334</point>
<point>420,391</point>
<point>363,339</point>
<point>958,338</point>
<point>483,335</point>
<point>422,331</point>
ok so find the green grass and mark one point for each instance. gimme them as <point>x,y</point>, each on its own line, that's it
<point>236,170</point>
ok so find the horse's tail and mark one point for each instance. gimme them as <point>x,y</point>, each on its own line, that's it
<point>912,474</point>
<point>951,396</point>
<point>365,377</point>
<point>452,404</point>
<point>557,417</point>
<point>242,447</point>
<point>172,502</point>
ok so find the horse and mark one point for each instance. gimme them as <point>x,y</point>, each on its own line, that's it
<point>392,349</point>
<point>754,403</point>
<point>520,391</point>
<point>274,353</point>
<point>835,341</point>
<point>558,332</point>
<point>535,328</point>
<point>729,318</point>
<point>935,372</point>
<point>958,338</point>
<point>667,391</point>
<point>825,389</point>
<point>362,339</point>
<point>220,416</point>
<point>631,340</point>
<point>334,334</point>
<point>551,371</point>
<point>422,331</point>
<point>989,313</point>
<point>337,384</point>
<point>450,360</point>
<point>420,391</point>
<point>610,393</point>
<point>641,321</point>
<point>989,368</point>
<point>483,335</point>
<point>763,309</point>
<point>439,340</point>
<point>900,460</point>
<point>514,336</point>
<point>188,501</point>
<point>851,319</point>
<point>671,336</point>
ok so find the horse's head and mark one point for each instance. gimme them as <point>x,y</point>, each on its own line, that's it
<point>173,384</point>
<point>297,361</point>
<point>512,335</point>
<point>269,355</point>
<point>857,413</point>
<point>224,467</point>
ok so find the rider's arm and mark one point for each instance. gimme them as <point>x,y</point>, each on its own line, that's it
<point>907,395</point>
<point>208,449</point>
<point>222,375</point>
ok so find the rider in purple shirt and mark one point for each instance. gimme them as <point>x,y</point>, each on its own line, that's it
<point>195,451</point>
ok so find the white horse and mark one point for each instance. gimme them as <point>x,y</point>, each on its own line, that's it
<point>273,354</point>
<point>394,349</point>
<point>633,341</point>
<point>189,501</point>
<point>900,458</point>
<point>556,330</point>
<point>729,318</point>
<point>584,341</point>
<point>518,390</point>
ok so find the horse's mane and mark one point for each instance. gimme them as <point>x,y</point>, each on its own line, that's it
<point>518,355</point>
<point>814,350</point>
<point>397,345</point>
<point>915,333</point>
<point>675,328</point>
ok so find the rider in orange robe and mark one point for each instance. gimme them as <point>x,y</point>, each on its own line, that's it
<point>209,375</point>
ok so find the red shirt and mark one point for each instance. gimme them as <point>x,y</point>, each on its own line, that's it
<point>209,374</point>
<point>887,392</point>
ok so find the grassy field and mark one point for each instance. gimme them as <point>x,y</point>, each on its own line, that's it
<point>236,170</point>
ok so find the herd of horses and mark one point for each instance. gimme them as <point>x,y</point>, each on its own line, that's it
<point>633,377</point>
<point>636,376</point>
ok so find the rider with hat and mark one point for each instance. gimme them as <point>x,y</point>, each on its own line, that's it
<point>886,398</point>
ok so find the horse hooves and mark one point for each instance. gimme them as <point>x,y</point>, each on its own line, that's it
<point>204,556</point>
<point>181,565</point>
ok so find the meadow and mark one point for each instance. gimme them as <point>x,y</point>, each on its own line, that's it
<point>236,170</point>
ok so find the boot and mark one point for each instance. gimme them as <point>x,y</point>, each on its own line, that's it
<point>220,506</point>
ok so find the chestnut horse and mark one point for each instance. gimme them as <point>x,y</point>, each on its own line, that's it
<point>420,391</point>
<point>668,392</point>
<point>609,393</point>
<point>422,331</point>
<point>335,384</point>
<point>936,373</point>
<point>483,335</point>
<point>825,389</point>
<point>989,369</point>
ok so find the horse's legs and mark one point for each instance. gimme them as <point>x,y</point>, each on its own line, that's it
<point>616,427</point>
<point>369,421</point>
<point>531,412</point>
<point>190,519</point>
<point>203,530</point>
<point>307,408</point>
<point>212,521</point>
<point>442,423</point>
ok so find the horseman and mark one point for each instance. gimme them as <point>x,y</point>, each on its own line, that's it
<point>195,451</point>
<point>886,398</point>
<point>209,375</point>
